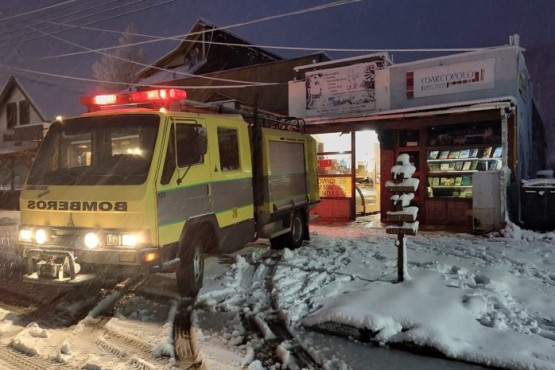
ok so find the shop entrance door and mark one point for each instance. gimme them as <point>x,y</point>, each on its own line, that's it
<point>348,171</point>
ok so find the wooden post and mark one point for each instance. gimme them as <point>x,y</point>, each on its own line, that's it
<point>404,187</point>
<point>401,255</point>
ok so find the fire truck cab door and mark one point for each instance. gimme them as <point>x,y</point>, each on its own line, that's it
<point>231,171</point>
<point>183,186</point>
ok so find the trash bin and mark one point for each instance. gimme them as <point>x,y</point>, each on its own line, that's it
<point>537,204</point>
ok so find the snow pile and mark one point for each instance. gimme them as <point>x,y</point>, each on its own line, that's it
<point>489,301</point>
<point>403,169</point>
<point>513,231</point>
<point>31,340</point>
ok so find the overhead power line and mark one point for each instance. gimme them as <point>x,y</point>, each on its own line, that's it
<point>181,36</point>
<point>126,84</point>
<point>104,19</point>
<point>242,85</point>
<point>37,10</point>
<point>262,46</point>
<point>65,15</point>
<point>159,68</point>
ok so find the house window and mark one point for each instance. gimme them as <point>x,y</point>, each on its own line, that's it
<point>24,116</point>
<point>11,114</point>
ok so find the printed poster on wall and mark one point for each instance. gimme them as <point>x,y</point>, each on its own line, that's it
<point>450,79</point>
<point>335,187</point>
<point>341,90</point>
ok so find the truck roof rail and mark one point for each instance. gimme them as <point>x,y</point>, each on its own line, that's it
<point>265,118</point>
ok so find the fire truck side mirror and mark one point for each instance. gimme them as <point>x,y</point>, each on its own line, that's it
<point>202,140</point>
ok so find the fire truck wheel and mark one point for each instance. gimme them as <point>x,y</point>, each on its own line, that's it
<point>190,273</point>
<point>294,238</point>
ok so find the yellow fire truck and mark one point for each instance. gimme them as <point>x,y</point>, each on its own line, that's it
<point>153,189</point>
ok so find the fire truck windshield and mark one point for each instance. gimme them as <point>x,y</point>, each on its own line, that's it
<point>96,150</point>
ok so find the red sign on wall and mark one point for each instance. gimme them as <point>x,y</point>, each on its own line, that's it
<point>323,163</point>
<point>335,187</point>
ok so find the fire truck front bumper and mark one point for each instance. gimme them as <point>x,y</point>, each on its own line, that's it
<point>63,266</point>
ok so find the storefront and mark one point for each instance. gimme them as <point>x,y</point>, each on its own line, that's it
<point>451,148</point>
<point>467,121</point>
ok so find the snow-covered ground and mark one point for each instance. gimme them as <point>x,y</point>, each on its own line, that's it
<point>485,300</point>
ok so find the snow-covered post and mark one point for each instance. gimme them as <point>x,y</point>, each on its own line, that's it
<point>403,185</point>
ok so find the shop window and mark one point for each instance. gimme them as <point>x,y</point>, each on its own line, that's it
<point>334,164</point>
<point>467,134</point>
<point>11,114</point>
<point>24,114</point>
<point>456,152</point>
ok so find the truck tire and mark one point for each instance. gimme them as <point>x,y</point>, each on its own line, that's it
<point>294,238</point>
<point>190,272</point>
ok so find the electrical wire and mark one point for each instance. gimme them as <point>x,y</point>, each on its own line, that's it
<point>159,68</point>
<point>64,16</point>
<point>258,20</point>
<point>316,8</point>
<point>126,84</point>
<point>36,10</point>
<point>262,46</point>
<point>179,38</point>
<point>106,19</point>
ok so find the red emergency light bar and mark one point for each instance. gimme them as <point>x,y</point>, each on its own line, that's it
<point>159,96</point>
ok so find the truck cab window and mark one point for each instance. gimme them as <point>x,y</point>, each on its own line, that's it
<point>184,149</point>
<point>96,150</point>
<point>189,139</point>
<point>169,160</point>
<point>228,144</point>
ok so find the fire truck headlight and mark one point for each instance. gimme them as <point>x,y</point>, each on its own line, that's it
<point>26,235</point>
<point>130,240</point>
<point>41,236</point>
<point>92,240</point>
<point>127,240</point>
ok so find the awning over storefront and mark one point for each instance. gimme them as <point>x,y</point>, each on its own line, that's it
<point>453,113</point>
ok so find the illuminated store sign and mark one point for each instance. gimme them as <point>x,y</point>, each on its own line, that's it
<point>450,79</point>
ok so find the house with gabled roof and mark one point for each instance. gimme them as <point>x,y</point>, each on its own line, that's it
<point>213,64</point>
<point>21,122</point>
<point>206,49</point>
<point>22,127</point>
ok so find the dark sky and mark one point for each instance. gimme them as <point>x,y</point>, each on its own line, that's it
<point>367,24</point>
